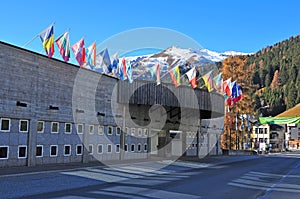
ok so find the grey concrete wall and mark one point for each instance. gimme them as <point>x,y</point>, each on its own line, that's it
<point>40,82</point>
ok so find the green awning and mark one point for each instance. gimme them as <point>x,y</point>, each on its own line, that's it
<point>279,120</point>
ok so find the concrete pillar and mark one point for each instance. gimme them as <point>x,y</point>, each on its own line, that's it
<point>208,144</point>
<point>123,133</point>
<point>32,139</point>
<point>85,141</point>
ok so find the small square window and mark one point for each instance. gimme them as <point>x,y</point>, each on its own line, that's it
<point>54,127</point>
<point>100,148</point>
<point>117,148</point>
<point>22,152</point>
<point>39,151</point>
<point>3,152</point>
<point>5,124</point>
<point>79,149</point>
<point>90,149</point>
<point>68,128</point>
<point>145,147</point>
<point>67,150</point>
<point>109,148</point>
<point>118,131</point>
<point>80,128</point>
<point>132,147</point>
<point>53,150</point>
<point>132,131</point>
<point>139,132</point>
<point>91,129</point>
<point>23,126</point>
<point>139,147</point>
<point>125,147</point>
<point>100,130</point>
<point>40,126</point>
<point>109,130</point>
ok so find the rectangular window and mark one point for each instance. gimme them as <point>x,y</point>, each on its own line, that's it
<point>132,147</point>
<point>100,130</point>
<point>79,128</point>
<point>39,151</point>
<point>4,152</point>
<point>5,124</point>
<point>68,128</point>
<point>22,151</point>
<point>127,131</point>
<point>54,127</point>
<point>139,147</point>
<point>91,129</point>
<point>67,150</point>
<point>146,132</point>
<point>100,148</point>
<point>118,131</point>
<point>40,126</point>
<point>109,130</point>
<point>132,131</point>
<point>53,150</point>
<point>145,147</point>
<point>117,148</point>
<point>90,149</point>
<point>109,148</point>
<point>139,132</point>
<point>126,147</point>
<point>79,149</point>
<point>23,126</point>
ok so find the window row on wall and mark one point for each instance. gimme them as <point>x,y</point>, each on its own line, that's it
<point>53,150</point>
<point>140,148</point>
<point>5,126</point>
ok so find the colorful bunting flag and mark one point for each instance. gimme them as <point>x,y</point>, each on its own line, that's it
<point>208,80</point>
<point>192,76</point>
<point>91,55</point>
<point>63,44</point>
<point>175,75</point>
<point>47,37</point>
<point>105,63</point>
<point>155,73</point>
<point>121,71</point>
<point>124,68</point>
<point>115,63</point>
<point>129,72</point>
<point>227,87</point>
<point>79,51</point>
<point>239,94</point>
<point>218,83</point>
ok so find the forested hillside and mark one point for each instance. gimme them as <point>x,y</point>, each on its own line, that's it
<point>276,76</point>
<point>268,77</point>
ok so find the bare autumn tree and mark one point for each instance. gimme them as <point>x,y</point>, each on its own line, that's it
<point>235,68</point>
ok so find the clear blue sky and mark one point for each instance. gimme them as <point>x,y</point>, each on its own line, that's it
<point>218,25</point>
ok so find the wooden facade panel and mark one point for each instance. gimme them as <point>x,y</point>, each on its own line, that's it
<point>148,93</point>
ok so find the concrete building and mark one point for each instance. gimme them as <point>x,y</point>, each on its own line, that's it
<point>260,137</point>
<point>54,112</point>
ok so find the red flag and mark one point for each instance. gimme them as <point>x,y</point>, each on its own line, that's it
<point>79,51</point>
<point>191,74</point>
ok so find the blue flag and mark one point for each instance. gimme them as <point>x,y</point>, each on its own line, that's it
<point>129,72</point>
<point>105,63</point>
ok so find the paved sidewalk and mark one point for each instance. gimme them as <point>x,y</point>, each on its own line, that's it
<point>212,160</point>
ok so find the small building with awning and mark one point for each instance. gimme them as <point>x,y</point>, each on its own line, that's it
<point>291,120</point>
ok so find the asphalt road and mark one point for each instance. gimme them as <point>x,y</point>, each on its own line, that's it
<point>272,176</point>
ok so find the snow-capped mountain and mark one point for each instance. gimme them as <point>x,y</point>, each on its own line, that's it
<point>173,56</point>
